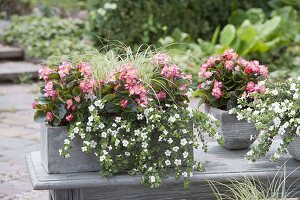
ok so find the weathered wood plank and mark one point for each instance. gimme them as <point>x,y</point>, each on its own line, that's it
<point>7,52</point>
<point>220,164</point>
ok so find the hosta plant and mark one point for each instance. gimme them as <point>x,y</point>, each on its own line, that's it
<point>134,115</point>
<point>225,78</point>
<point>275,113</point>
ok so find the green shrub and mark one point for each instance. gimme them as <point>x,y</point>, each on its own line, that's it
<point>137,22</point>
<point>43,37</point>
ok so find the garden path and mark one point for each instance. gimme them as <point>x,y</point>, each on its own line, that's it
<point>19,134</point>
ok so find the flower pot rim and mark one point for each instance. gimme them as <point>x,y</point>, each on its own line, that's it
<point>212,107</point>
<point>47,125</point>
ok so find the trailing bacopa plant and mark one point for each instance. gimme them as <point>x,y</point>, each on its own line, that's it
<point>139,121</point>
<point>275,113</point>
<point>225,78</point>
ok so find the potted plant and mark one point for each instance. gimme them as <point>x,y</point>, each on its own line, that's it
<point>63,95</point>
<point>275,113</point>
<point>223,79</point>
<point>136,118</point>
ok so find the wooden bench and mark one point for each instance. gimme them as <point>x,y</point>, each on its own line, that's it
<point>221,164</point>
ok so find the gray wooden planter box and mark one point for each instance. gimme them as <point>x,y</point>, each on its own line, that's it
<point>52,139</point>
<point>294,148</point>
<point>236,133</point>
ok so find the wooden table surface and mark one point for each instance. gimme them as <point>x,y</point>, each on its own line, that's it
<point>220,163</point>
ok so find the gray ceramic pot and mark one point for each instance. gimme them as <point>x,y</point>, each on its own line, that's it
<point>52,139</point>
<point>237,134</point>
<point>294,148</point>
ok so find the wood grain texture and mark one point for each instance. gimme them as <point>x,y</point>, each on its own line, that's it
<point>221,164</point>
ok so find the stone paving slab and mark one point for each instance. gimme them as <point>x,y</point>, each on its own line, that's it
<point>18,134</point>
<point>12,70</point>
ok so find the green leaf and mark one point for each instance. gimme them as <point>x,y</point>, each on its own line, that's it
<point>62,111</point>
<point>76,91</point>
<point>246,32</point>
<point>109,97</point>
<point>215,36</point>
<point>268,27</point>
<point>112,108</point>
<point>227,35</point>
<point>43,100</point>
<point>39,116</point>
<point>54,76</point>
<point>132,106</point>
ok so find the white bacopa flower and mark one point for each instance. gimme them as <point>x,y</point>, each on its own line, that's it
<point>183,142</point>
<point>67,156</point>
<point>165,132</point>
<point>78,123</point>
<point>274,92</point>
<point>170,140</point>
<point>99,104</point>
<point>104,134</point>
<point>239,116</point>
<point>67,141</point>
<point>177,115</point>
<point>172,119</point>
<point>102,158</point>
<point>89,123</point>
<point>114,125</point>
<point>83,149</point>
<point>91,108</point>
<point>277,122</point>
<point>60,152</point>
<point>93,144</point>
<point>185,154</point>
<point>144,145</point>
<point>76,130</point>
<point>176,148</point>
<point>250,153</point>
<point>295,96</point>
<point>109,147</point>
<point>139,116</point>
<point>101,125</point>
<point>152,179</point>
<point>177,162</point>
<point>91,118</point>
<point>168,162</point>
<point>117,142</point>
<point>276,155</point>
<point>118,119</point>
<point>127,153</point>
<point>82,135</point>
<point>167,152</point>
<point>88,129</point>
<point>184,131</point>
<point>125,143</point>
<point>184,174</point>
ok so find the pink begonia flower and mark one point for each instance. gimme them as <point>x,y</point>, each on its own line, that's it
<point>77,99</point>
<point>161,95</point>
<point>229,65</point>
<point>217,93</point>
<point>69,103</point>
<point>161,59</point>
<point>44,73</point>
<point>218,84</point>
<point>49,86</point>
<point>200,86</point>
<point>124,103</point>
<point>183,87</point>
<point>69,117</point>
<point>49,91</point>
<point>87,86</point>
<point>73,108</point>
<point>64,69</point>
<point>85,69</point>
<point>230,54</point>
<point>263,70</point>
<point>49,116</point>
<point>210,62</point>
<point>204,74</point>
<point>33,105</point>
<point>171,71</point>
<point>250,87</point>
